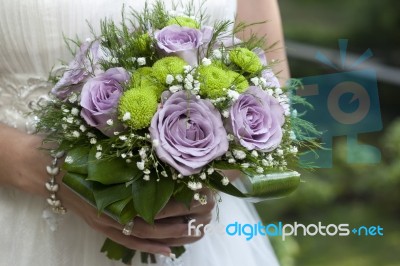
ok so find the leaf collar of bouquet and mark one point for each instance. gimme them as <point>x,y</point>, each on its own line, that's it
<point>159,107</point>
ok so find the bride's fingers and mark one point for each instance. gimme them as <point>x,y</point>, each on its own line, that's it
<point>179,228</point>
<point>135,243</point>
<point>176,242</point>
<point>142,229</point>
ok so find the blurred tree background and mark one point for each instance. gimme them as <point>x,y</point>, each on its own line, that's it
<point>346,193</point>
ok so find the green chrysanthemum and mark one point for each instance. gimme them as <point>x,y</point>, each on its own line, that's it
<point>213,80</point>
<point>246,60</point>
<point>171,65</point>
<point>139,75</point>
<point>143,78</point>
<point>238,80</point>
<point>184,22</point>
<point>137,107</point>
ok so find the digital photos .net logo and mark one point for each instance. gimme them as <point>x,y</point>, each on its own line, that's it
<point>345,103</point>
<point>249,231</point>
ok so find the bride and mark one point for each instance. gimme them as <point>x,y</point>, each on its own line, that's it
<point>31,41</point>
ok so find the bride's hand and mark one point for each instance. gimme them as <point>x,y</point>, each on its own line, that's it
<point>22,166</point>
<point>169,229</point>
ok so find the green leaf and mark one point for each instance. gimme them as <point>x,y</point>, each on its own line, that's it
<point>106,195</point>
<point>111,171</point>
<point>224,165</point>
<point>80,185</point>
<point>184,194</point>
<point>259,187</point>
<point>149,197</point>
<point>147,258</point>
<point>215,182</point>
<point>122,211</point>
<point>79,160</point>
<point>178,251</point>
<point>272,185</point>
<point>115,251</point>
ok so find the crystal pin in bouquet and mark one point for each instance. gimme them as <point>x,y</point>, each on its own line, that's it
<point>158,107</point>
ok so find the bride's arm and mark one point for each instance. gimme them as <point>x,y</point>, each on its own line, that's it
<point>250,11</point>
<point>16,163</point>
<point>22,166</point>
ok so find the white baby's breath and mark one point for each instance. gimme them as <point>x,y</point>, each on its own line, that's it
<point>140,165</point>
<point>169,79</point>
<point>141,61</point>
<point>192,185</point>
<point>187,69</point>
<point>155,143</point>
<point>164,174</point>
<point>205,61</point>
<point>234,95</point>
<point>260,170</point>
<point>255,80</point>
<point>238,154</point>
<point>196,196</point>
<point>70,119</point>
<point>69,159</point>
<point>126,116</point>
<point>175,88</point>
<point>231,137</point>
<point>76,134</point>
<point>265,163</point>
<point>73,98</point>
<point>216,54</point>
<point>74,111</point>
<point>203,176</point>
<point>245,165</point>
<point>293,149</point>
<point>110,122</point>
<point>179,78</point>
<point>210,170</point>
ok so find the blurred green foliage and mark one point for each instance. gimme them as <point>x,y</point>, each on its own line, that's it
<point>372,24</point>
<point>354,194</point>
<point>347,193</point>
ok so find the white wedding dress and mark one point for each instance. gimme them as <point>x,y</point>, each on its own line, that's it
<point>31,42</point>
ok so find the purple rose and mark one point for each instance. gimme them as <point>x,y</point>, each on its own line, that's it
<point>256,120</point>
<point>189,131</point>
<point>99,99</point>
<point>182,41</point>
<point>78,70</point>
<point>227,42</point>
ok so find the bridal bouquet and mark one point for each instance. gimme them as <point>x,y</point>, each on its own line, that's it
<point>159,106</point>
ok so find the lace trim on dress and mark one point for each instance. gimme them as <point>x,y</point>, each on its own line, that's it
<point>15,101</point>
